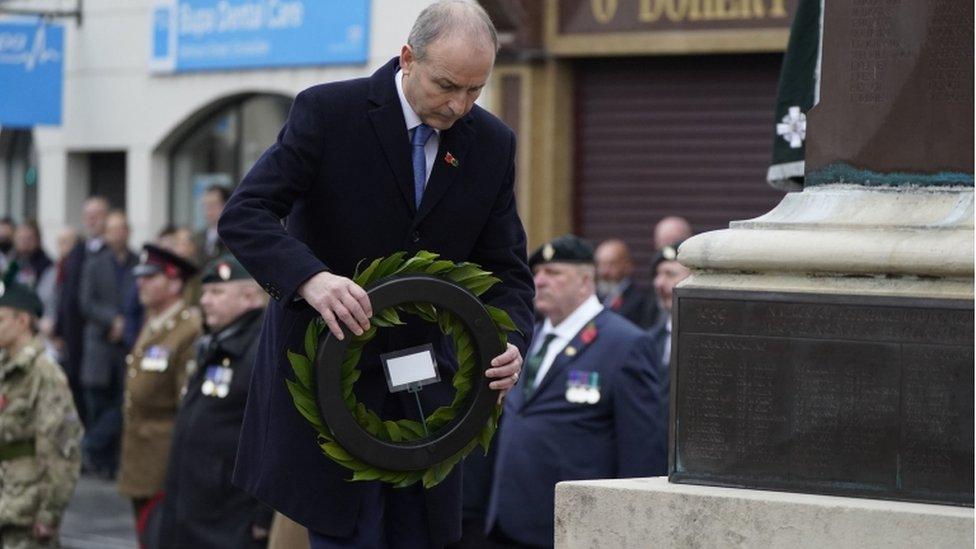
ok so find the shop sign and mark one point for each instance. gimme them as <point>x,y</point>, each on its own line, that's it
<point>203,35</point>
<point>31,57</point>
<point>669,26</point>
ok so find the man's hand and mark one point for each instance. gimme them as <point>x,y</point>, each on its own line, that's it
<point>43,533</point>
<point>117,330</point>
<point>259,533</point>
<point>338,299</point>
<point>505,369</point>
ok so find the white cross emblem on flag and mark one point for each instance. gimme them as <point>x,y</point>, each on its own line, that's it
<point>793,128</point>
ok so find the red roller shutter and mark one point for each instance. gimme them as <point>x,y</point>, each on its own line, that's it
<point>662,136</point>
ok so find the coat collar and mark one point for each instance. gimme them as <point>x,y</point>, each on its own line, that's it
<point>386,116</point>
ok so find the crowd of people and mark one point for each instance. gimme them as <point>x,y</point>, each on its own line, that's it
<point>155,356</point>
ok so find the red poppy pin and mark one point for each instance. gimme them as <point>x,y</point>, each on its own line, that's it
<point>449,158</point>
<point>588,334</point>
<point>617,303</point>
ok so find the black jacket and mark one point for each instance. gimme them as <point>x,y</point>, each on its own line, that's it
<point>202,508</point>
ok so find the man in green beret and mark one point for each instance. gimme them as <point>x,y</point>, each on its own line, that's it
<point>40,432</point>
<point>201,507</point>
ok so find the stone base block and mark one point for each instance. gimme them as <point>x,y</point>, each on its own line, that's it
<point>651,512</point>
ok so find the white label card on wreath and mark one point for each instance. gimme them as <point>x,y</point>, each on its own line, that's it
<point>413,367</point>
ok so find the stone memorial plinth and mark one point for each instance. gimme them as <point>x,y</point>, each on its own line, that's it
<point>641,513</point>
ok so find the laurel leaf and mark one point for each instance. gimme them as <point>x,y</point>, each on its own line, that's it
<point>394,430</point>
<point>482,285</point>
<point>501,319</point>
<point>367,474</point>
<point>389,265</point>
<point>311,340</point>
<point>302,368</point>
<point>467,272</point>
<point>427,311</point>
<point>411,478</point>
<point>305,404</point>
<point>439,267</point>
<point>411,430</point>
<point>390,316</point>
<point>366,276</point>
<point>336,452</point>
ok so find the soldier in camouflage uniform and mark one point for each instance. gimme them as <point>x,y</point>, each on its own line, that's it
<point>40,432</point>
<point>156,373</point>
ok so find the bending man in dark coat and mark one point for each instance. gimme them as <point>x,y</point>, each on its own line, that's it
<point>201,508</point>
<point>402,160</point>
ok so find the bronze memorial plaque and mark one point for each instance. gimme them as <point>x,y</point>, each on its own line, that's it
<point>846,395</point>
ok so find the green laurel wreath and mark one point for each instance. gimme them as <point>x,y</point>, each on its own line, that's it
<point>469,276</point>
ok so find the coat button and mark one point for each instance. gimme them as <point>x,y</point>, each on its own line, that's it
<point>416,236</point>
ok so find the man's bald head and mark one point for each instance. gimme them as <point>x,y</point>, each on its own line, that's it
<point>613,262</point>
<point>670,230</point>
<point>449,19</point>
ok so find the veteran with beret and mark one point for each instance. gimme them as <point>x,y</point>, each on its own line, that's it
<point>667,273</point>
<point>155,374</point>
<point>587,405</point>
<point>40,432</point>
<point>201,508</point>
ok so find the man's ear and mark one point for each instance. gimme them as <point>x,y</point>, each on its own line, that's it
<point>407,59</point>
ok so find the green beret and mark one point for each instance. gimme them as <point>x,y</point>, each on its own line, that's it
<point>224,269</point>
<point>154,259</point>
<point>667,253</point>
<point>17,296</point>
<point>565,249</point>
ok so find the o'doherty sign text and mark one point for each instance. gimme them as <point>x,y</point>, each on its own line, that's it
<point>668,26</point>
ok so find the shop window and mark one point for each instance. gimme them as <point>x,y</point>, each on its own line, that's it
<point>220,150</point>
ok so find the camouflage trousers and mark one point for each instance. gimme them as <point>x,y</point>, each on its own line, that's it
<point>19,537</point>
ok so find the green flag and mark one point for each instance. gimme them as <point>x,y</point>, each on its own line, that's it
<point>799,81</point>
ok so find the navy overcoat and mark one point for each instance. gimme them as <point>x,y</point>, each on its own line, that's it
<point>336,189</point>
<point>550,437</point>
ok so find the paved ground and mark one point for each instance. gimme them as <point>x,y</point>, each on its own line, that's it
<point>98,518</point>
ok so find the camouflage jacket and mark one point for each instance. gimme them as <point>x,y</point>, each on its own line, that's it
<point>36,407</point>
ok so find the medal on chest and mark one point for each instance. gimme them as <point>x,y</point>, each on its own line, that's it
<point>156,359</point>
<point>217,380</point>
<point>583,387</point>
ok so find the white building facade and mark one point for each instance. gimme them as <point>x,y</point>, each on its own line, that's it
<point>153,141</point>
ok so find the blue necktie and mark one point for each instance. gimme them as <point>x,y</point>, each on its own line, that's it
<point>420,136</point>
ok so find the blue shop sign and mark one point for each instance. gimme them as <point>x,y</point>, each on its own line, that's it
<point>203,35</point>
<point>31,57</point>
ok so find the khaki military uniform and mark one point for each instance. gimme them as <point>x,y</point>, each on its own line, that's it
<point>156,372</point>
<point>40,438</point>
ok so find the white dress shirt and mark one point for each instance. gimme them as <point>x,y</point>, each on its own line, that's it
<point>413,120</point>
<point>565,332</point>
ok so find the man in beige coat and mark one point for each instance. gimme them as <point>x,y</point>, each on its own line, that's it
<point>155,375</point>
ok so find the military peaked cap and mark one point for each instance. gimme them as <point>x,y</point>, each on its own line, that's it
<point>154,259</point>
